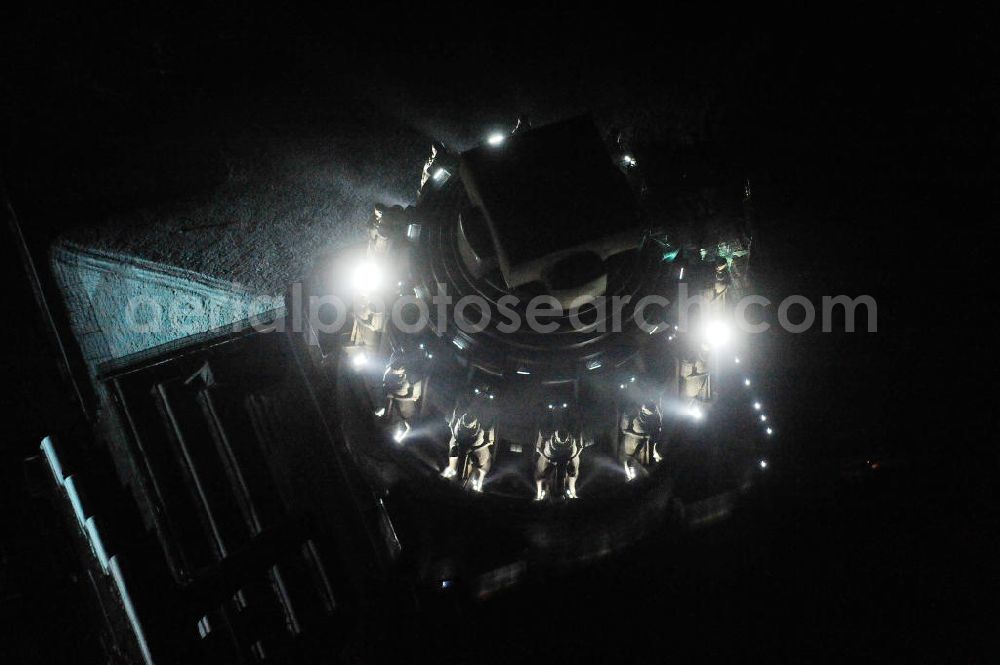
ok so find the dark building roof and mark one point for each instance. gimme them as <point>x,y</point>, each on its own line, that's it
<point>548,190</point>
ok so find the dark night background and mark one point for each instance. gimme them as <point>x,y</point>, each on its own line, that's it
<point>869,137</point>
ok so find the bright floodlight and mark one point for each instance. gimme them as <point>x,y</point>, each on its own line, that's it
<point>496,138</point>
<point>400,434</point>
<point>696,413</point>
<point>717,333</point>
<point>359,360</point>
<point>366,277</point>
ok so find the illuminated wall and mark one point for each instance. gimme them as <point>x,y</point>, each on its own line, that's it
<point>119,305</point>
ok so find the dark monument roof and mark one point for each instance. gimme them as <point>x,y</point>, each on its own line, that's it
<point>549,189</point>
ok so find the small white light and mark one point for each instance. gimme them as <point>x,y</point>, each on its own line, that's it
<point>204,627</point>
<point>621,386</point>
<point>681,276</point>
<point>756,406</point>
<point>769,431</point>
<point>670,338</point>
<point>763,418</point>
<point>400,434</point>
<point>763,464</point>
<point>736,360</point>
<point>696,413</point>
<point>628,160</point>
<point>631,380</point>
<point>491,396</point>
<point>367,277</point>
<point>746,382</point>
<point>550,406</point>
<point>565,405</point>
<point>477,391</point>
<point>523,372</point>
<point>496,138</point>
